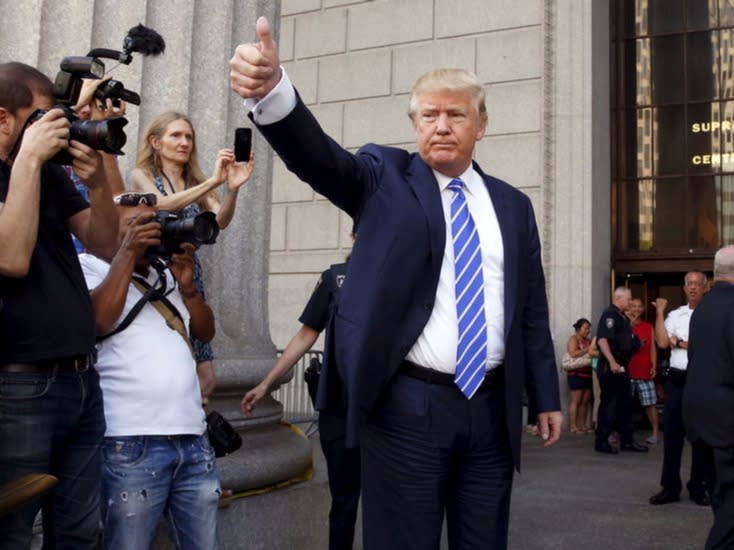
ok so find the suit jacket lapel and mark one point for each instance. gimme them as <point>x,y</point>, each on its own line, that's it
<point>509,244</point>
<point>424,185</point>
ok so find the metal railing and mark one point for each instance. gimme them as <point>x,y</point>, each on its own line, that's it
<point>297,406</point>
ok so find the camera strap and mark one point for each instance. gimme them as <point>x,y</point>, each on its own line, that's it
<point>169,312</point>
<point>130,317</point>
<point>157,298</point>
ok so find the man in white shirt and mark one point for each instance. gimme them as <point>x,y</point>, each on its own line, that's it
<point>672,332</point>
<point>157,459</point>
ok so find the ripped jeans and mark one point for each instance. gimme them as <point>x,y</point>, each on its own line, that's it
<point>148,476</point>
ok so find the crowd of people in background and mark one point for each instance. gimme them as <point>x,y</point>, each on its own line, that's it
<point>629,372</point>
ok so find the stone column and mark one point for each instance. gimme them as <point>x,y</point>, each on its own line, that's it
<point>237,266</point>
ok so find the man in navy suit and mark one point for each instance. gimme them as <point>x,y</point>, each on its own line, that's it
<point>708,399</point>
<point>436,442</point>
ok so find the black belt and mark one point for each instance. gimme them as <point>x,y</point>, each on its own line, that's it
<point>493,379</point>
<point>78,363</point>
<point>677,376</point>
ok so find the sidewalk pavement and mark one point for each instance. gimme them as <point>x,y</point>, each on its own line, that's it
<point>569,496</point>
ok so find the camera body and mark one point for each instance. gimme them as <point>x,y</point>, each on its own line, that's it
<point>68,81</point>
<point>175,230</point>
<point>116,91</point>
<point>101,135</point>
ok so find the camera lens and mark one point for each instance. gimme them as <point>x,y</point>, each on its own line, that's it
<point>204,230</point>
<point>102,135</point>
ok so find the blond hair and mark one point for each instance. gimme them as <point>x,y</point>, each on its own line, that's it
<point>449,80</point>
<point>148,159</point>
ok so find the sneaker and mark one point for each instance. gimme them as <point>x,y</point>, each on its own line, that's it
<point>652,440</point>
<point>612,439</point>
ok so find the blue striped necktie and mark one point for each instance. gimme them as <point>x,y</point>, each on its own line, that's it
<point>471,353</point>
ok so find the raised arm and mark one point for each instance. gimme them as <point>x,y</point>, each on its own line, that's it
<point>19,214</point>
<point>96,227</point>
<point>661,333</point>
<point>237,175</point>
<point>201,325</point>
<point>143,182</point>
<point>108,298</point>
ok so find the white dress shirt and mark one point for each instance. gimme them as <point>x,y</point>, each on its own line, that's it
<point>437,345</point>
<point>677,324</point>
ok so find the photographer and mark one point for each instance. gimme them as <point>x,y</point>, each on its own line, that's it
<point>90,108</point>
<point>52,418</point>
<point>152,403</point>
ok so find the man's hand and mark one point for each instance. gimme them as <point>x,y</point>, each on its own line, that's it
<point>86,94</point>
<point>182,267</point>
<point>142,233</point>
<point>255,68</point>
<point>549,427</point>
<point>87,164</point>
<point>108,108</point>
<point>247,406</point>
<point>46,136</point>
<point>660,305</point>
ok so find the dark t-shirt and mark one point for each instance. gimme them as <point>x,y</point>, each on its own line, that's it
<point>319,306</point>
<point>48,313</point>
<point>316,315</point>
<point>615,327</point>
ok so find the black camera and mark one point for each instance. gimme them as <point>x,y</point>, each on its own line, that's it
<point>175,230</point>
<point>101,135</point>
<point>116,91</point>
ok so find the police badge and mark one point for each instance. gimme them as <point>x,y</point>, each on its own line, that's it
<point>610,323</point>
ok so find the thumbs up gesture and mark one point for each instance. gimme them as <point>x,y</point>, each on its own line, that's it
<point>255,68</point>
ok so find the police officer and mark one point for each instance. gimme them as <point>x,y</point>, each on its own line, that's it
<point>343,464</point>
<point>617,344</point>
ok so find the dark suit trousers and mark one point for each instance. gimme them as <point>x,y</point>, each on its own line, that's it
<point>615,403</point>
<point>344,480</point>
<point>721,535</point>
<point>674,433</point>
<point>428,451</point>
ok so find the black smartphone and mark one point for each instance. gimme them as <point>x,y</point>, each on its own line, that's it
<point>242,144</point>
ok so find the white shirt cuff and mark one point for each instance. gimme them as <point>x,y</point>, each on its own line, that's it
<point>276,105</point>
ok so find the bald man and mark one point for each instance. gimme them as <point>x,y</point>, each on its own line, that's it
<point>708,400</point>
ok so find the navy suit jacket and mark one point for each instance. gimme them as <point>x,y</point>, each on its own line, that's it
<point>394,269</point>
<point>708,398</point>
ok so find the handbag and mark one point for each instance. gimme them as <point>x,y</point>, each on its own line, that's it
<point>223,438</point>
<point>571,363</point>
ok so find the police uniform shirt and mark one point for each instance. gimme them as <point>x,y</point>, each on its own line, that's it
<point>318,309</point>
<point>677,324</point>
<point>615,327</point>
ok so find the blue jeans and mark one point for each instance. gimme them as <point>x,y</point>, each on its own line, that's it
<point>148,476</point>
<point>53,423</point>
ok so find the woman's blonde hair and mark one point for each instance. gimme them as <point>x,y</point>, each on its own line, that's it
<point>148,159</point>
